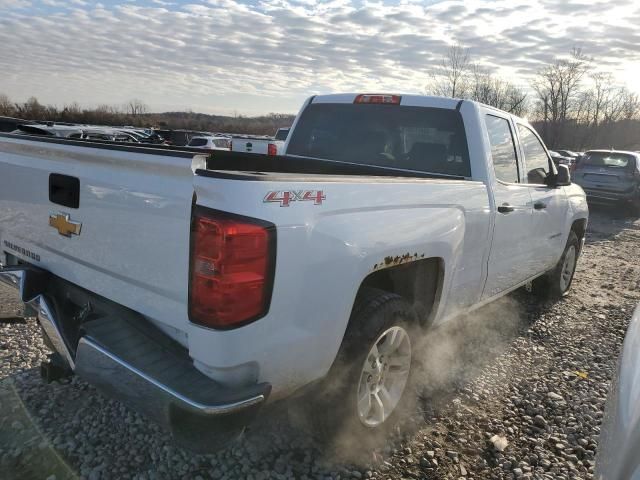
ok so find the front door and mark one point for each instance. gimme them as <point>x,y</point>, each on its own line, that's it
<point>550,205</point>
<point>510,255</point>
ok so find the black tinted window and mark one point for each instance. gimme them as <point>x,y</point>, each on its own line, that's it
<point>198,142</point>
<point>282,134</point>
<point>534,156</point>
<point>503,149</point>
<point>412,138</point>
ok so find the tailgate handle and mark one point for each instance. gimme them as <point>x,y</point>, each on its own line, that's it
<point>64,190</point>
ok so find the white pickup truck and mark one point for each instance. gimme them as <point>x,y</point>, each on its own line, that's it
<point>198,288</point>
<point>263,145</point>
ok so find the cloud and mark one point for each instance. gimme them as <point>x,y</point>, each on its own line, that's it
<point>226,55</point>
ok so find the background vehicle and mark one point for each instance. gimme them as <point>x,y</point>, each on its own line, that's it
<point>282,134</point>
<point>611,177</point>
<point>60,131</point>
<point>210,143</point>
<point>568,153</point>
<point>619,441</point>
<point>255,144</point>
<point>196,287</point>
<point>560,159</point>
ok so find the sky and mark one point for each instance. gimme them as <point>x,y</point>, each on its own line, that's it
<point>259,56</point>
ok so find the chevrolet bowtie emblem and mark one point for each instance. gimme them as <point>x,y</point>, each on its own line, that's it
<point>65,227</point>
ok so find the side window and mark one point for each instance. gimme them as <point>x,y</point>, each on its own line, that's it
<point>503,149</point>
<point>535,156</point>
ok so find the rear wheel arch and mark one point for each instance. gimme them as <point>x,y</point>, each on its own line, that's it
<point>419,282</point>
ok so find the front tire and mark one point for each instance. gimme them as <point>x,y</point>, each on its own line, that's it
<point>557,282</point>
<point>368,384</point>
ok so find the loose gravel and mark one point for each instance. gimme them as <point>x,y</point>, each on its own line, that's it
<point>516,390</point>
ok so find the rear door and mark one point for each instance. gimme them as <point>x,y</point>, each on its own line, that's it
<point>550,205</point>
<point>510,248</point>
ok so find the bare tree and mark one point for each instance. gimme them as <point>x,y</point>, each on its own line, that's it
<point>6,106</point>
<point>136,107</point>
<point>557,88</point>
<point>451,79</point>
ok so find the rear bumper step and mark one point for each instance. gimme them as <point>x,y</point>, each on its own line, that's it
<point>132,361</point>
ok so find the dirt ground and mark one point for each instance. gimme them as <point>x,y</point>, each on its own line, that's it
<point>523,372</point>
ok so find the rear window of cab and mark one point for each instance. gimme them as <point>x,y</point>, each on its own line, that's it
<point>422,139</point>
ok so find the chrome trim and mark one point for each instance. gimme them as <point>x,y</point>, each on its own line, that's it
<point>113,375</point>
<point>17,278</point>
<point>98,365</point>
<point>51,326</point>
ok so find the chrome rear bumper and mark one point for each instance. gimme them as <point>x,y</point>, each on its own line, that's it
<point>129,360</point>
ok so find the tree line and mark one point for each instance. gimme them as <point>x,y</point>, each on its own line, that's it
<point>136,113</point>
<point>572,104</point>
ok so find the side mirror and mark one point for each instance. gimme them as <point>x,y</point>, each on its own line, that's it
<point>563,177</point>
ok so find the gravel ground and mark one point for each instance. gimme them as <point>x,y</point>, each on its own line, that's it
<point>515,391</point>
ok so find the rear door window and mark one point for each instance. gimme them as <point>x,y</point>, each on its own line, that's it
<point>409,138</point>
<point>535,156</point>
<point>503,149</point>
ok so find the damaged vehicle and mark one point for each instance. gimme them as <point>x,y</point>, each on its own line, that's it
<point>197,288</point>
<point>611,177</point>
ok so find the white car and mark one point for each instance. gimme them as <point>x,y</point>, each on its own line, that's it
<point>619,441</point>
<point>210,143</point>
<point>197,291</point>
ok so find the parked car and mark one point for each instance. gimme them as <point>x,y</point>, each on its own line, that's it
<point>560,159</point>
<point>210,143</point>
<point>108,134</point>
<point>611,177</point>
<point>568,153</point>
<point>197,291</point>
<point>256,144</point>
<point>282,134</point>
<point>619,441</point>
<point>52,130</point>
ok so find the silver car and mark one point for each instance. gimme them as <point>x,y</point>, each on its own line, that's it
<point>619,444</point>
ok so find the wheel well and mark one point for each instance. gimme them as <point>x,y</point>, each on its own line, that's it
<point>419,282</point>
<point>580,228</point>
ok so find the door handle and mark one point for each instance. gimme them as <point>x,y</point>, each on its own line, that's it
<point>505,208</point>
<point>539,205</point>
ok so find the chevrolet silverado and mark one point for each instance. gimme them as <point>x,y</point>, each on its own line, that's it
<point>198,287</point>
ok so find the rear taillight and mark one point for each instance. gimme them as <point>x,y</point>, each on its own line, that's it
<point>272,149</point>
<point>377,98</point>
<point>232,267</point>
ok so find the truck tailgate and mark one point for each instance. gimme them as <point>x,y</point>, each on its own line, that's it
<point>128,240</point>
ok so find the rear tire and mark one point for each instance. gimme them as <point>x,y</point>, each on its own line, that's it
<point>368,384</point>
<point>557,282</point>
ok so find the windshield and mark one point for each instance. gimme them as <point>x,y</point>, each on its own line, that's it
<point>608,159</point>
<point>411,138</point>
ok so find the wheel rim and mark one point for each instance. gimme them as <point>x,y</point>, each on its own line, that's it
<point>568,268</point>
<point>384,376</point>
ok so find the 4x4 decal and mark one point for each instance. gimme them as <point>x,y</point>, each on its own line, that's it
<point>284,198</point>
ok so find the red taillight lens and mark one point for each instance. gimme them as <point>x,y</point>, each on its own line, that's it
<point>272,149</point>
<point>376,98</point>
<point>232,262</point>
